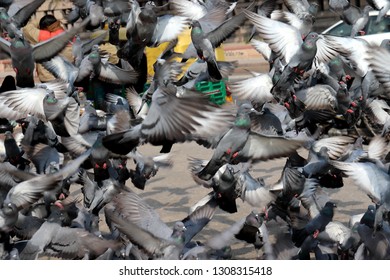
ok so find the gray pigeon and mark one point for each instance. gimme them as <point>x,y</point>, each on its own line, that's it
<point>147,167</point>
<point>315,225</point>
<point>47,102</point>
<point>172,119</point>
<point>205,50</point>
<point>254,191</point>
<point>373,179</point>
<point>377,59</point>
<point>54,239</point>
<point>92,65</point>
<point>240,144</point>
<point>302,8</point>
<point>86,9</point>
<point>382,6</point>
<point>136,211</point>
<point>157,248</point>
<point>256,89</point>
<point>82,47</point>
<point>230,144</point>
<point>299,63</point>
<point>376,243</point>
<point>352,15</point>
<point>23,55</point>
<point>286,41</point>
<point>246,229</point>
<point>146,28</point>
<point>13,22</point>
<point>24,194</point>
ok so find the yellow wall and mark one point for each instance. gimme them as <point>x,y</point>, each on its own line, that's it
<point>184,41</point>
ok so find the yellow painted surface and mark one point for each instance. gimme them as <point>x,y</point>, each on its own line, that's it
<point>184,41</point>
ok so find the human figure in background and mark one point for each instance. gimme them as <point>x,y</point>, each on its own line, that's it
<point>44,29</point>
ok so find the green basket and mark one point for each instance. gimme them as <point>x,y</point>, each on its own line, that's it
<point>215,90</point>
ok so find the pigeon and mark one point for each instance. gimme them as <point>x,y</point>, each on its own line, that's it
<point>86,9</point>
<point>171,119</point>
<point>265,9</point>
<point>245,229</point>
<point>360,22</point>
<point>336,232</point>
<point>157,248</point>
<point>82,47</point>
<point>13,153</point>
<point>91,66</point>
<point>225,191</point>
<point>238,145</point>
<point>147,167</point>
<point>250,231</point>
<point>52,238</point>
<point>376,59</point>
<point>256,89</point>
<point>173,239</point>
<point>145,28</point>
<point>375,243</point>
<point>23,55</point>
<point>205,50</point>
<point>115,8</point>
<point>314,226</point>
<point>12,23</point>
<point>196,10</point>
<point>212,36</point>
<point>368,217</point>
<point>24,194</point>
<point>254,191</point>
<point>352,15</point>
<point>382,6</point>
<point>47,102</point>
<point>136,211</point>
<point>302,8</point>
<point>286,41</point>
<point>371,178</point>
<point>103,194</point>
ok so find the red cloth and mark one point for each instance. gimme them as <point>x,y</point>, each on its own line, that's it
<point>46,35</point>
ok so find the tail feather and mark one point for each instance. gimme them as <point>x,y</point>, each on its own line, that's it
<point>213,70</point>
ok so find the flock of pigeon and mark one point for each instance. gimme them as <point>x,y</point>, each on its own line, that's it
<point>326,95</point>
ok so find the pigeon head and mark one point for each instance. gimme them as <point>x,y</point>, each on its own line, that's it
<point>227,175</point>
<point>19,42</point>
<point>150,4</point>
<point>50,97</point>
<point>179,226</point>
<point>242,118</point>
<point>138,179</point>
<point>178,232</point>
<point>313,8</point>
<point>8,135</point>
<point>196,27</point>
<point>255,219</point>
<point>310,40</point>
<point>328,209</point>
<point>3,14</point>
<point>367,9</point>
<point>9,209</point>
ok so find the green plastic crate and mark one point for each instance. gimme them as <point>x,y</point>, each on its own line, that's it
<point>215,90</point>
